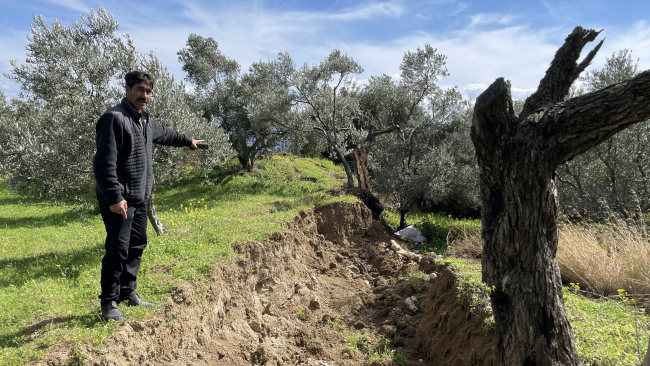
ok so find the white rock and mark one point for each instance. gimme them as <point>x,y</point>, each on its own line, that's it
<point>411,304</point>
<point>394,246</point>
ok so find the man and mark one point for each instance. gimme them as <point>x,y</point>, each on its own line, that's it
<point>123,168</point>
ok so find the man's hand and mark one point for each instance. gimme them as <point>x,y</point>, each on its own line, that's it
<point>119,208</point>
<point>193,146</point>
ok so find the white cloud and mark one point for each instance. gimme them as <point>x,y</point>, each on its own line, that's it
<point>492,18</point>
<point>70,4</point>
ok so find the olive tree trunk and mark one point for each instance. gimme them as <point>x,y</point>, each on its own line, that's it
<point>517,156</point>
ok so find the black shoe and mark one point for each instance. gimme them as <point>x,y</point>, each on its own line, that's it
<point>111,312</point>
<point>132,299</point>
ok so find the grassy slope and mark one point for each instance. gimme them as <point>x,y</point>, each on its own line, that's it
<point>50,256</point>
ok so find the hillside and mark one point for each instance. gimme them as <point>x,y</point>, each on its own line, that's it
<point>277,266</point>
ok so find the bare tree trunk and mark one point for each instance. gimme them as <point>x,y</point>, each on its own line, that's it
<point>346,165</point>
<point>362,168</point>
<point>517,156</point>
<point>151,213</point>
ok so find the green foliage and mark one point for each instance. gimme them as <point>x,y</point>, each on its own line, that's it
<point>375,347</point>
<point>325,101</point>
<point>431,159</point>
<point>51,255</point>
<point>438,229</point>
<point>470,285</point>
<point>606,330</point>
<point>70,77</point>
<point>248,106</point>
<point>417,279</point>
<point>302,314</point>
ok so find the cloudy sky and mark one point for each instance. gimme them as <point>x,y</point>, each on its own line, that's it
<point>483,40</point>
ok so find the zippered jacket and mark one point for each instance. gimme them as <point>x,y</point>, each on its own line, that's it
<point>123,163</point>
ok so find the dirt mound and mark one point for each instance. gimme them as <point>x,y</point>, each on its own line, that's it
<point>307,296</point>
<point>446,324</point>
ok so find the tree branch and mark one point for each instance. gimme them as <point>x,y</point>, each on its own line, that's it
<point>564,70</point>
<point>583,122</point>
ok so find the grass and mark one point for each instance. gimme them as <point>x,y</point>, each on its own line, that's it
<point>607,256</point>
<point>440,229</point>
<point>50,255</point>
<point>605,329</point>
<point>375,347</point>
<point>417,279</point>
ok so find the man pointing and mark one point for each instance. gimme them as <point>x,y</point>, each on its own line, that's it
<point>123,167</point>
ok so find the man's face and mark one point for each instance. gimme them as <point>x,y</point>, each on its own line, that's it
<point>139,95</point>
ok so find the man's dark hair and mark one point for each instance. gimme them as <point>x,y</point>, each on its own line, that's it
<point>136,77</point>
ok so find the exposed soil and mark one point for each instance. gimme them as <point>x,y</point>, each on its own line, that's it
<point>279,303</point>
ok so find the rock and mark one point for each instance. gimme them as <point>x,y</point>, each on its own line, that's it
<point>411,304</point>
<point>332,265</point>
<point>315,303</point>
<point>359,325</point>
<point>394,246</point>
<point>432,276</point>
<point>255,325</point>
<point>326,318</point>
<point>354,269</point>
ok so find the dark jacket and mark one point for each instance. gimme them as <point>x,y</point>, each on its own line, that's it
<point>123,163</point>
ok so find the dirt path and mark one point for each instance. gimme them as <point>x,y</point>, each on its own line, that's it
<point>307,296</point>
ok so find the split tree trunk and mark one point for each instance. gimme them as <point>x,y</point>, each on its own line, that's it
<point>517,156</point>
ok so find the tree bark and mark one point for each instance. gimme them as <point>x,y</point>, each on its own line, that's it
<point>151,213</point>
<point>517,156</point>
<point>362,168</point>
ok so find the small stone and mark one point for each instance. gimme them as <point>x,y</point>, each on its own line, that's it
<point>410,304</point>
<point>326,318</point>
<point>354,269</point>
<point>255,325</point>
<point>432,276</point>
<point>315,303</point>
<point>332,265</point>
<point>394,246</point>
<point>359,325</point>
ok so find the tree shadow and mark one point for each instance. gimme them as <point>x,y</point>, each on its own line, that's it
<point>53,265</point>
<point>28,334</point>
<point>60,219</point>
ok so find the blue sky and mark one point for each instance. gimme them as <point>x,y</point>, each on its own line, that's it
<point>483,40</point>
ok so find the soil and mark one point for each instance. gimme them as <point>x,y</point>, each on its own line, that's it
<point>283,302</point>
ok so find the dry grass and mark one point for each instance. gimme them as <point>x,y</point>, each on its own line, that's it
<point>606,257</point>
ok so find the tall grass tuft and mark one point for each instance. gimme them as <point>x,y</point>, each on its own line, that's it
<point>607,256</point>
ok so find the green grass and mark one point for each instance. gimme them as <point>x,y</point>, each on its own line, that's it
<point>50,256</point>
<point>374,347</point>
<point>605,329</point>
<point>438,228</point>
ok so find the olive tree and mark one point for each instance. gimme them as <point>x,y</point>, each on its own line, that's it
<point>429,158</point>
<point>518,156</point>
<point>326,95</point>
<point>247,106</point>
<point>70,77</point>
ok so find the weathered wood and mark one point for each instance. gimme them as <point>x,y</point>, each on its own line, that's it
<point>362,168</point>
<point>517,156</point>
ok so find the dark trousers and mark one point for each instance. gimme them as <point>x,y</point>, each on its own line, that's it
<point>125,241</point>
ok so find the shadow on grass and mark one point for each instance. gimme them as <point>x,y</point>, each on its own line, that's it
<point>18,271</point>
<point>27,334</point>
<point>60,219</point>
